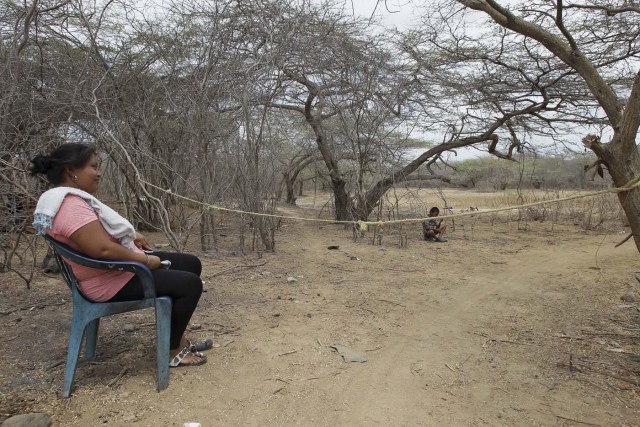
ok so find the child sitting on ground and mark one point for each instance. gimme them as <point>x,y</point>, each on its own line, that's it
<point>432,229</point>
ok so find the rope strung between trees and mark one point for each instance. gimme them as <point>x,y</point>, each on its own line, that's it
<point>220,208</point>
<point>627,187</point>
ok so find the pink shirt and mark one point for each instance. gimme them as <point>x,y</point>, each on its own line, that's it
<point>97,285</point>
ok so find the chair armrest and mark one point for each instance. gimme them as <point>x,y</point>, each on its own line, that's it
<point>139,269</point>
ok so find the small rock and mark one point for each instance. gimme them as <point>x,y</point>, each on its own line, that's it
<point>129,327</point>
<point>291,279</point>
<point>348,354</point>
<point>196,326</point>
<point>630,298</point>
<point>355,258</point>
<point>28,420</point>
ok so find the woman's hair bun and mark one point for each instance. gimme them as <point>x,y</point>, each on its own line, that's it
<point>65,158</point>
<point>41,164</point>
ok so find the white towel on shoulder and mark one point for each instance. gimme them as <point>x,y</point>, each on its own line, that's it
<point>50,201</point>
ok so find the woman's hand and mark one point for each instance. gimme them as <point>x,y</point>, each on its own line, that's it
<point>154,262</point>
<point>141,242</point>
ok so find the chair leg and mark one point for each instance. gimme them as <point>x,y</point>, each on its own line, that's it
<point>91,334</point>
<point>75,344</point>
<point>163,332</point>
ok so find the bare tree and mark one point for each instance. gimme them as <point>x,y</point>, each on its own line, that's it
<point>599,42</point>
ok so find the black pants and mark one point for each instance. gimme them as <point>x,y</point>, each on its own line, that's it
<point>181,282</point>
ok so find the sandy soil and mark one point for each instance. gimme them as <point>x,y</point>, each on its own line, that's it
<point>502,325</point>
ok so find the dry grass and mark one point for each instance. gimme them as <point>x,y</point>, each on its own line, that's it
<point>591,213</point>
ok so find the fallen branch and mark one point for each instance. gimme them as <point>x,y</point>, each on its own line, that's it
<point>505,341</point>
<point>624,240</point>
<point>366,309</point>
<point>142,325</point>
<point>288,352</point>
<point>612,334</point>
<point>571,337</point>
<point>237,266</point>
<point>278,379</point>
<point>597,371</point>
<point>122,373</point>
<point>31,307</point>
<point>326,376</point>
<point>576,421</point>
<point>390,302</point>
<point>54,365</point>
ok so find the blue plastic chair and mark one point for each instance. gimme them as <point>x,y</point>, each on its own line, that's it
<point>86,314</point>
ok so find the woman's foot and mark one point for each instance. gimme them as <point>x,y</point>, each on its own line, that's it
<point>186,357</point>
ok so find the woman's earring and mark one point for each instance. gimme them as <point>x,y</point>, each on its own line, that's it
<point>74,178</point>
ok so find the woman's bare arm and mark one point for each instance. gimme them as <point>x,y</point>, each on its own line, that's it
<point>93,240</point>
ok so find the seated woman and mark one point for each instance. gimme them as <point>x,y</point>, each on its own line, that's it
<point>72,215</point>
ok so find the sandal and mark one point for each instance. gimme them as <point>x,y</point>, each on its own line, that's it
<point>200,345</point>
<point>197,353</point>
<point>177,359</point>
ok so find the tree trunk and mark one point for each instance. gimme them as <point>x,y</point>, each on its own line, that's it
<point>623,167</point>
<point>344,208</point>
<point>343,204</point>
<point>290,176</point>
<point>621,154</point>
<point>291,191</point>
<point>373,195</point>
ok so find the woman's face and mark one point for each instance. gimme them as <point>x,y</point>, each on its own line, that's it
<point>88,176</point>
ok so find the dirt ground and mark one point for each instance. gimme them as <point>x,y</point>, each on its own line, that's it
<point>504,324</point>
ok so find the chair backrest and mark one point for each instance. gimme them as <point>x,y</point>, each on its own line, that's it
<point>63,253</point>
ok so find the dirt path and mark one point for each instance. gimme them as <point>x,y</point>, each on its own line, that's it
<point>472,332</point>
<point>472,340</point>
